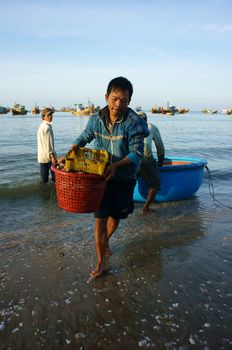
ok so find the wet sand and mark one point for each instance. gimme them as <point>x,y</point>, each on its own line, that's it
<point>169,286</point>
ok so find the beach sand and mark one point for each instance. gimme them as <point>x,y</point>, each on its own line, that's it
<point>169,286</point>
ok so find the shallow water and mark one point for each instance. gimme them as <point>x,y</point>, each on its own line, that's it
<point>169,285</point>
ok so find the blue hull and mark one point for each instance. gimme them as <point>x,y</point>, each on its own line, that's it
<point>180,179</point>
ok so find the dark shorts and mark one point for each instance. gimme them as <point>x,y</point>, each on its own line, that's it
<point>150,173</point>
<point>45,168</point>
<point>118,200</point>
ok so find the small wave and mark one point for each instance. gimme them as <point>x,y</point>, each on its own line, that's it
<point>27,189</point>
<point>220,174</point>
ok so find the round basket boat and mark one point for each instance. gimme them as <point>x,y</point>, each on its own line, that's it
<point>79,192</point>
<point>180,179</point>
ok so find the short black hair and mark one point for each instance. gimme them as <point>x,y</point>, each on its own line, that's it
<point>120,83</point>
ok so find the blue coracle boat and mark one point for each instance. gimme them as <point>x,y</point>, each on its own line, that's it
<point>180,179</point>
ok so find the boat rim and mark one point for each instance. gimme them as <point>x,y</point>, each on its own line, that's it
<point>186,163</point>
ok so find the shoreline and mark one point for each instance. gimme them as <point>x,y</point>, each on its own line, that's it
<point>162,291</point>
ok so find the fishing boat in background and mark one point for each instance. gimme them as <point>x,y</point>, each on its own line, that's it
<point>18,109</point>
<point>35,110</point>
<point>66,109</point>
<point>180,179</point>
<point>81,110</point>
<point>4,110</point>
<point>140,112</point>
<point>164,110</point>
<point>209,111</point>
<point>138,109</point>
<point>181,110</point>
<point>227,111</point>
<point>169,110</point>
<point>155,110</point>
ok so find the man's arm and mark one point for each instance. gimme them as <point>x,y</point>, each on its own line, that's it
<point>159,144</point>
<point>110,170</point>
<point>137,134</point>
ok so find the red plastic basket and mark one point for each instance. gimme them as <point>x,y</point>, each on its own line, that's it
<point>79,192</point>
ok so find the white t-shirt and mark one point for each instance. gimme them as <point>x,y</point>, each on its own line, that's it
<point>45,142</point>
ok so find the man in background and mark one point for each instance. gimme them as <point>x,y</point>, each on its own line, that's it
<point>149,170</point>
<point>45,146</point>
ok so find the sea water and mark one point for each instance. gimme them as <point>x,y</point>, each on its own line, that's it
<point>169,285</point>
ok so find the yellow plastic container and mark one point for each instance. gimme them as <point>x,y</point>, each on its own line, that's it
<point>87,160</point>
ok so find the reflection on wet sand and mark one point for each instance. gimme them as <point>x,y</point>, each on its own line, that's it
<point>160,293</point>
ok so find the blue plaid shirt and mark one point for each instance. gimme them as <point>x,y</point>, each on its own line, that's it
<point>124,139</point>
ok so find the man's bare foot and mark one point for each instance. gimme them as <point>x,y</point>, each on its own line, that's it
<point>108,251</point>
<point>101,268</point>
<point>145,210</point>
<point>98,271</point>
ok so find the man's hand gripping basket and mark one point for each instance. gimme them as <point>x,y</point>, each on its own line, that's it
<point>80,188</point>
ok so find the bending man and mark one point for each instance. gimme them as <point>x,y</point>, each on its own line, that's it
<point>149,170</point>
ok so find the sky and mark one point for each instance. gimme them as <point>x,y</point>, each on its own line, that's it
<point>62,52</point>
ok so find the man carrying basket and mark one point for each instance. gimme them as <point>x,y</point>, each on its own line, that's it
<point>120,131</point>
